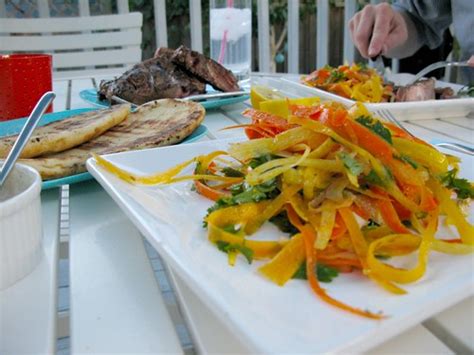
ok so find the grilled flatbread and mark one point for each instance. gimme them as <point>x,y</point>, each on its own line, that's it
<point>70,132</point>
<point>157,123</point>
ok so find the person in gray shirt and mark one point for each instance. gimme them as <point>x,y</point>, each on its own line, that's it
<point>400,29</point>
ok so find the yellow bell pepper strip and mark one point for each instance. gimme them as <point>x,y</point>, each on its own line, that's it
<point>169,176</point>
<point>244,151</point>
<point>452,210</point>
<point>159,178</point>
<point>422,153</point>
<point>241,214</point>
<point>311,260</point>
<point>274,168</point>
<point>284,265</point>
<point>323,149</point>
<point>447,247</point>
<point>308,182</point>
<point>279,107</point>
<point>360,247</point>
<point>328,219</point>
<point>398,275</point>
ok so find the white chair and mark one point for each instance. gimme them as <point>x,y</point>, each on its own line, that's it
<point>92,45</point>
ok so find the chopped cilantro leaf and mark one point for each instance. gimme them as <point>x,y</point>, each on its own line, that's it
<point>243,193</point>
<point>283,223</point>
<point>335,76</point>
<point>375,126</point>
<point>230,229</point>
<point>301,272</point>
<point>326,273</point>
<point>226,247</point>
<point>231,172</point>
<point>323,272</point>
<point>408,160</point>
<point>373,179</point>
<point>260,160</point>
<point>462,187</point>
<point>351,164</point>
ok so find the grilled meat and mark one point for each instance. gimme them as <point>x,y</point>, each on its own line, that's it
<point>421,90</point>
<point>444,93</point>
<point>152,79</point>
<point>206,69</point>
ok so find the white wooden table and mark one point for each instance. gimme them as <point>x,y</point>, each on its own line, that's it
<point>119,297</point>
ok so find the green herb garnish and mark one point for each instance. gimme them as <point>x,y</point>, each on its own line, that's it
<point>226,247</point>
<point>324,273</point>
<point>351,164</point>
<point>373,178</point>
<point>283,223</point>
<point>462,187</point>
<point>375,126</point>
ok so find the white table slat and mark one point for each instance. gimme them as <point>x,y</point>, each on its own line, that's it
<point>116,305</point>
<point>77,86</point>
<point>448,128</point>
<point>60,89</point>
<point>458,323</point>
<point>215,121</point>
<point>423,130</point>
<point>209,334</point>
<point>463,122</point>
<point>417,340</point>
<point>28,308</point>
<point>204,326</point>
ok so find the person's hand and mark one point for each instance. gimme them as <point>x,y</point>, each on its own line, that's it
<point>377,29</point>
<point>470,61</point>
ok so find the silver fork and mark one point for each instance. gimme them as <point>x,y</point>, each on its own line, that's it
<point>435,66</point>
<point>458,147</point>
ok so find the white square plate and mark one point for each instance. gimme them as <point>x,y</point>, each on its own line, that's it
<point>406,111</point>
<point>266,317</point>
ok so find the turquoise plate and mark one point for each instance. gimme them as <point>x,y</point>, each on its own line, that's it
<point>90,96</point>
<point>14,126</point>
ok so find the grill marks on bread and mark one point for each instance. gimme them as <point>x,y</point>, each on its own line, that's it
<point>68,133</point>
<point>158,123</point>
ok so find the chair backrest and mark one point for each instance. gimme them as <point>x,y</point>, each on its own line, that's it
<point>79,45</point>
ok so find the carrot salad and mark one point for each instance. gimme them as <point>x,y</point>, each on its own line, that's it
<point>348,191</point>
<point>357,82</point>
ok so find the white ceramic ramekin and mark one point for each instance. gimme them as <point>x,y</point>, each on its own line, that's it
<point>21,229</point>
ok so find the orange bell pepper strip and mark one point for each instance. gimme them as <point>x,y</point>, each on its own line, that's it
<point>209,192</point>
<point>390,216</point>
<point>371,142</point>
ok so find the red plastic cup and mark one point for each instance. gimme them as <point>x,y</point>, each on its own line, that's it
<point>24,78</point>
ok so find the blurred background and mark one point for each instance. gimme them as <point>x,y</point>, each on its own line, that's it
<point>178,20</point>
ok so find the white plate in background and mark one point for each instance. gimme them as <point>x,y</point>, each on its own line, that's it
<point>406,111</point>
<point>266,317</point>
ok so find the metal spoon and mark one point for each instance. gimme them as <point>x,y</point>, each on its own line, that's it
<point>25,134</point>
